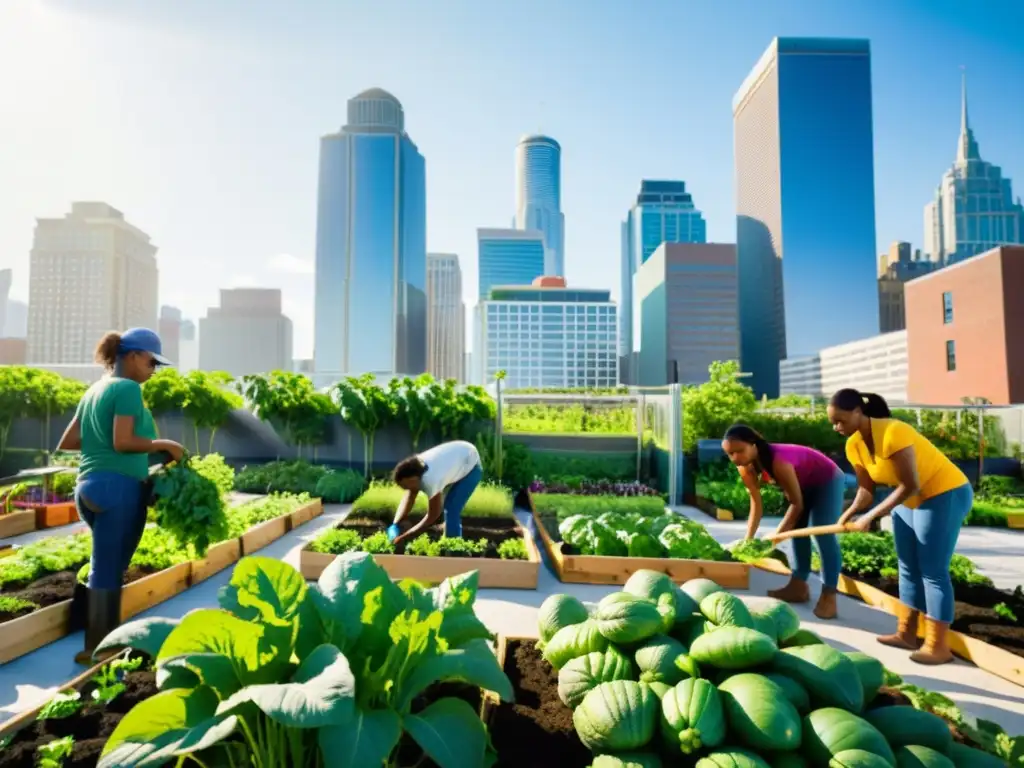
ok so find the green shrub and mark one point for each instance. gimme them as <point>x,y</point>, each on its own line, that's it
<point>340,487</point>
<point>280,477</point>
<point>381,499</point>
<point>337,541</point>
<point>512,549</point>
<point>559,466</point>
<point>445,546</point>
<point>378,544</point>
<point>244,516</point>
<point>566,505</point>
<point>213,468</point>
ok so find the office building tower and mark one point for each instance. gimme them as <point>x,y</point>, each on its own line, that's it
<point>170,332</point>
<point>446,317</point>
<point>539,197</point>
<point>16,326</point>
<point>662,213</point>
<point>247,333</point>
<point>508,257</point>
<point>686,311</point>
<point>805,202</point>
<point>875,364</point>
<point>371,246</point>
<point>6,278</point>
<point>894,269</point>
<point>188,348</point>
<point>973,210</point>
<point>546,335</point>
<point>89,272</point>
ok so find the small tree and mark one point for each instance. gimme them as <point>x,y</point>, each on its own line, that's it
<point>210,402</point>
<point>366,407</point>
<point>291,403</point>
<point>166,393</point>
<point>414,401</point>
<point>709,409</point>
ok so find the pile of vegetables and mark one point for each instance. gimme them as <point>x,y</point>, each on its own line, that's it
<point>290,674</point>
<point>634,535</point>
<point>657,673</point>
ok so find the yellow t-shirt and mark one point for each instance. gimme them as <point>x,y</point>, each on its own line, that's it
<point>935,472</point>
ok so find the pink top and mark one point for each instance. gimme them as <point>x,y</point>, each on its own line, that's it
<point>812,467</point>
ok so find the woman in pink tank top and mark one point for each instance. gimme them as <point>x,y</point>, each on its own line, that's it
<point>813,485</point>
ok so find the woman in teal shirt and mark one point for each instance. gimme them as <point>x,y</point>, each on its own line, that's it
<point>115,433</point>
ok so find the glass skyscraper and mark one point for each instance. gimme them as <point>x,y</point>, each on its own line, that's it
<point>371,246</point>
<point>539,197</point>
<point>508,257</point>
<point>973,210</point>
<point>663,213</point>
<point>805,203</point>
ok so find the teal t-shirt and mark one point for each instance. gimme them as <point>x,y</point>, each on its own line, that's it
<point>107,398</point>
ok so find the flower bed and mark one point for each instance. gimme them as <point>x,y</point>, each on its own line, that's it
<point>655,673</point>
<point>306,675</point>
<point>604,539</point>
<point>492,541</point>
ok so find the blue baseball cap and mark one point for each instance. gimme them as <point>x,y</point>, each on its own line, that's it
<point>143,340</point>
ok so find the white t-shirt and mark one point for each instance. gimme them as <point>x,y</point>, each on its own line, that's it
<point>447,463</point>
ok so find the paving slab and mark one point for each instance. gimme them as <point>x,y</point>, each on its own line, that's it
<point>32,679</point>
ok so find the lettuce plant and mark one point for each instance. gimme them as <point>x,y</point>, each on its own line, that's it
<point>291,674</point>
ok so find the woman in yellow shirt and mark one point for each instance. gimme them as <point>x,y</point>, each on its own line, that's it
<point>930,500</point>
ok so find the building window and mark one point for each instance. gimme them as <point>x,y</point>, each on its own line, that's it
<point>947,308</point>
<point>950,355</point>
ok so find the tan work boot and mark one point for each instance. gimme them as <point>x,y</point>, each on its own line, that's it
<point>796,591</point>
<point>936,644</point>
<point>906,631</point>
<point>827,607</point>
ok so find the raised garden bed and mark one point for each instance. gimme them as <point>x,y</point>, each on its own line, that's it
<point>37,499</point>
<point>572,566</point>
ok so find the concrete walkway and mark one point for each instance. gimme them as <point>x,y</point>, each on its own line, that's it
<point>32,679</point>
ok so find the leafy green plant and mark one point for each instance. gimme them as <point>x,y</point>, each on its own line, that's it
<point>213,467</point>
<point>34,393</point>
<point>292,404</point>
<point>1003,611</point>
<point>61,706</point>
<point>578,418</point>
<point>50,555</point>
<point>381,499</point>
<point>333,486</point>
<point>752,550</point>
<point>633,534</point>
<point>244,516</point>
<point>53,754</point>
<point>378,544</point>
<point>210,402</point>
<point>564,505</point>
<point>512,549</point>
<point>709,409</point>
<point>366,407</point>
<point>190,506</point>
<point>446,547</point>
<point>292,674</point>
<point>108,681</point>
<point>337,541</point>
<point>10,606</point>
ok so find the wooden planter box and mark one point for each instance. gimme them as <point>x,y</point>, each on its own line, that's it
<point>218,557</point>
<point>259,536</point>
<point>55,515</point>
<point>504,574</point>
<point>1015,519</point>
<point>603,569</point>
<point>17,523</point>
<point>1004,664</point>
<point>154,589</point>
<point>710,508</point>
<point>305,513</point>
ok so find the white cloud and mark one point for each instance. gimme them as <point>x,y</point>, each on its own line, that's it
<point>242,281</point>
<point>286,262</point>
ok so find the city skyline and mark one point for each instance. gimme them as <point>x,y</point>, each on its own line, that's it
<point>245,136</point>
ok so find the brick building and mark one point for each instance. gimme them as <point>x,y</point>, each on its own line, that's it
<point>965,331</point>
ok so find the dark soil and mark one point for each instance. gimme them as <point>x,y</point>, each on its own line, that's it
<point>91,727</point>
<point>974,613</point>
<point>537,729</point>
<point>409,753</point>
<point>495,530</point>
<point>55,588</point>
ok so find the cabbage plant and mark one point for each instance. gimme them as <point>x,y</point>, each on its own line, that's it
<point>285,673</point>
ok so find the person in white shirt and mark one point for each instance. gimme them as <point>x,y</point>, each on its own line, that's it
<point>448,474</point>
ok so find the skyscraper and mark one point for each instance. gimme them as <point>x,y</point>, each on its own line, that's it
<point>973,210</point>
<point>508,257</point>
<point>663,213</point>
<point>6,278</point>
<point>896,268</point>
<point>371,249</point>
<point>539,197</point>
<point>805,203</point>
<point>247,333</point>
<point>89,272</point>
<point>170,333</point>
<point>446,317</point>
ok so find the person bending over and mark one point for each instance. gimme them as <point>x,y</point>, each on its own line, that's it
<point>813,485</point>
<point>447,474</point>
<point>930,500</point>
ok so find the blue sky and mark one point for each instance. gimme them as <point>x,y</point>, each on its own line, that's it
<point>200,119</point>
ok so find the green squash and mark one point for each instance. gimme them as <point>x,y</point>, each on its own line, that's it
<point>724,609</point>
<point>785,619</point>
<point>627,760</point>
<point>574,641</point>
<point>789,760</point>
<point>616,716</point>
<point>858,758</point>
<point>733,648</point>
<point>870,671</point>
<point>559,612</point>
<point>802,637</point>
<point>698,589</point>
<point>903,726</point>
<point>916,756</point>
<point>692,717</point>
<point>624,618</point>
<point>795,692</point>
<point>660,689</point>
<point>758,712</point>
<point>828,732</point>
<point>653,584</point>
<point>580,675</point>
<point>663,659</point>
<point>968,757</point>
<point>689,629</point>
<point>829,677</point>
<point>765,624</point>
<point>732,758</point>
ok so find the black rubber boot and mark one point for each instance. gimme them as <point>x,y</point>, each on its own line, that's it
<point>79,608</point>
<point>104,617</point>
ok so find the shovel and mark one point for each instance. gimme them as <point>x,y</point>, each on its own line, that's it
<point>818,530</point>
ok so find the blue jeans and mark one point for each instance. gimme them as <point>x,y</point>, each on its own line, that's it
<point>455,501</point>
<point>925,540</point>
<point>112,505</point>
<point>822,506</point>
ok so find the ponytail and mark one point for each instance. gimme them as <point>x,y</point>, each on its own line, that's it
<point>747,434</point>
<point>870,404</point>
<point>106,350</point>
